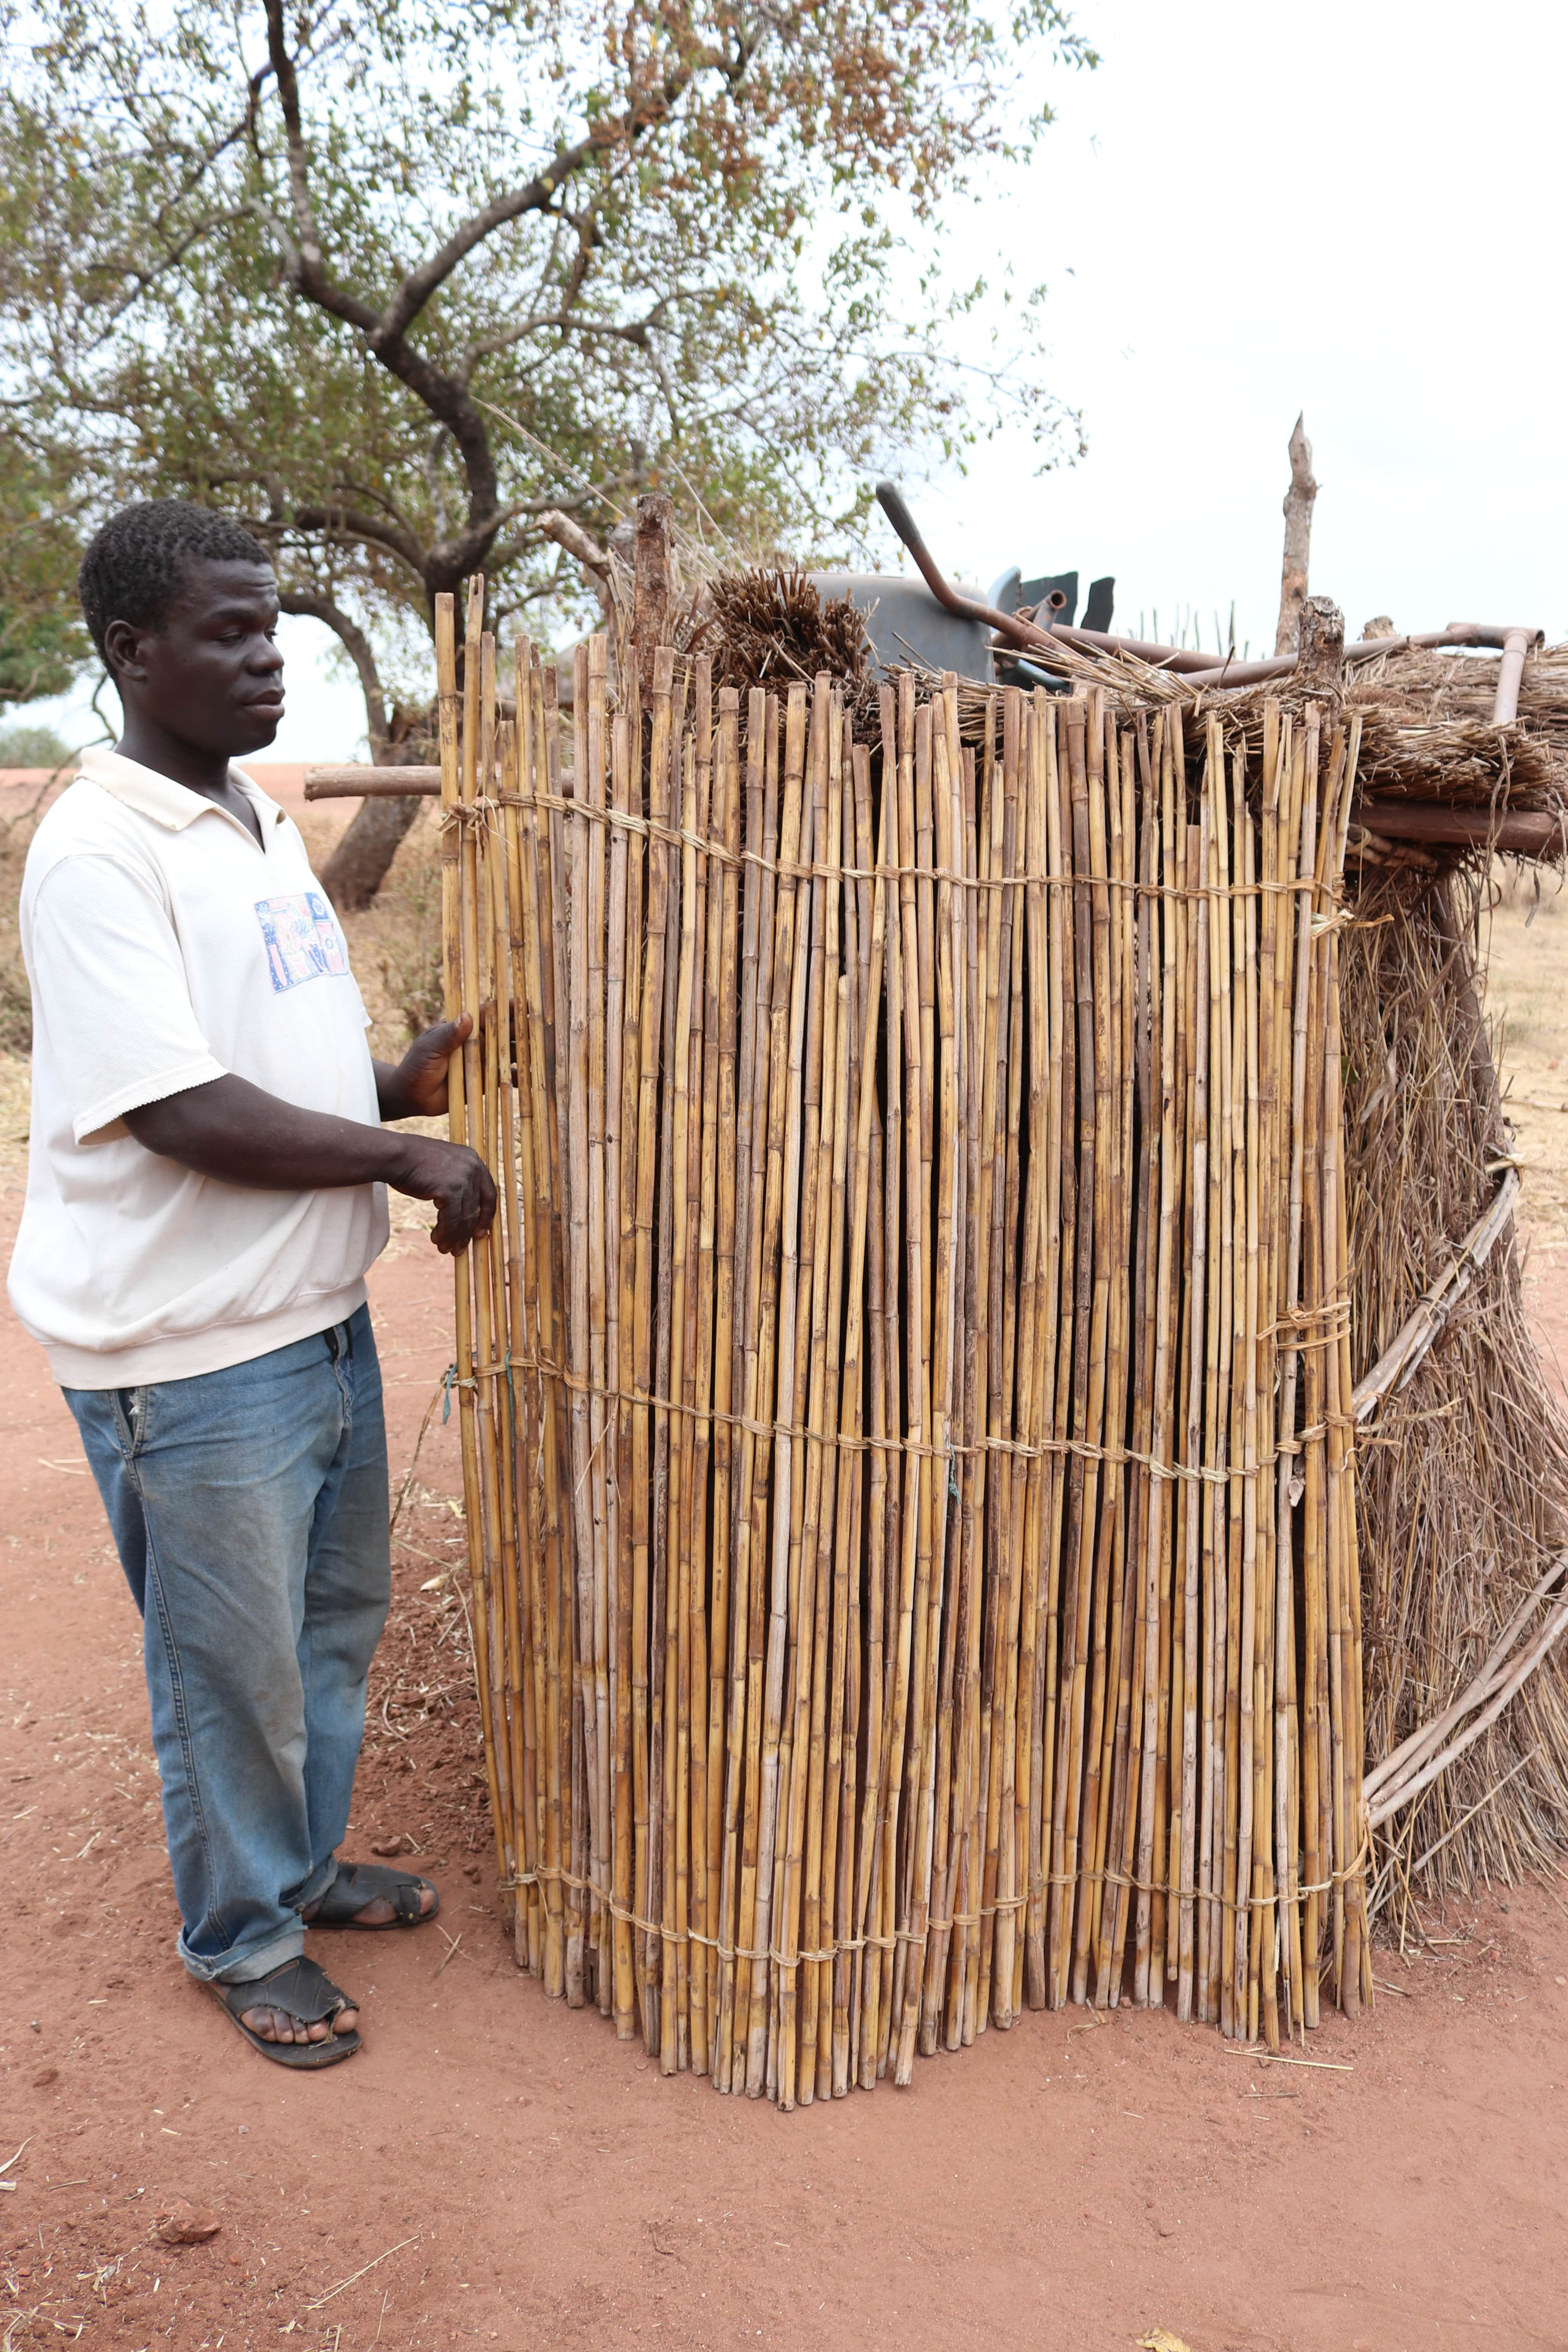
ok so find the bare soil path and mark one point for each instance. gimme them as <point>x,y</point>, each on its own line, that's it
<point>495,2169</point>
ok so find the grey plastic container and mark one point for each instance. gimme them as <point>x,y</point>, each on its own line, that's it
<point>904,623</point>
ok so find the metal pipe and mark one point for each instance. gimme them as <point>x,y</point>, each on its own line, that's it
<point>1510,671</point>
<point>1201,668</point>
<point>1026,635</point>
<point>1485,634</point>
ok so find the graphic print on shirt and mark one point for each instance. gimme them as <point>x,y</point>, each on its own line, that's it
<point>302,940</point>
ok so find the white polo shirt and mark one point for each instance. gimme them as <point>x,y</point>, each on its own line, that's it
<point>165,947</point>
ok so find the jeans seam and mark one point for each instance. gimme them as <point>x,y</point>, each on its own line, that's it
<point>182,1720</point>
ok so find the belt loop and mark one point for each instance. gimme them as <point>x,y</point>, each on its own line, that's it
<point>334,1342</point>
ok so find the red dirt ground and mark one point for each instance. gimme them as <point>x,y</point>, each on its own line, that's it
<point>494,2170</point>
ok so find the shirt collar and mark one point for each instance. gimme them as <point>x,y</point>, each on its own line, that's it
<point>159,797</point>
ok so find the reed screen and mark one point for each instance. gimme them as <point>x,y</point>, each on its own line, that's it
<point>905,1393</point>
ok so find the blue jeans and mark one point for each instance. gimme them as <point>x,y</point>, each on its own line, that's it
<point>249,1510</point>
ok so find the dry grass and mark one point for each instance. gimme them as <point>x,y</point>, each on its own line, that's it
<point>1463,1477</point>
<point>771,624</point>
<point>1524,940</point>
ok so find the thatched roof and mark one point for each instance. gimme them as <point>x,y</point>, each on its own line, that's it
<point>1427,733</point>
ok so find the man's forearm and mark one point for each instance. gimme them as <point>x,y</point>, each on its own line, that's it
<point>234,1130</point>
<point>239,1133</point>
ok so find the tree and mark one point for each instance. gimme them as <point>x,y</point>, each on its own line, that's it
<point>418,291</point>
<point>43,645</point>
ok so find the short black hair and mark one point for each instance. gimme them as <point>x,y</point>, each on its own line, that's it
<point>135,563</point>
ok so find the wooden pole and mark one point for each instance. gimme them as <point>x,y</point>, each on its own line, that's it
<point>1298,501</point>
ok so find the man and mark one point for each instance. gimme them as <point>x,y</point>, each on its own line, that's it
<point>205,1194</point>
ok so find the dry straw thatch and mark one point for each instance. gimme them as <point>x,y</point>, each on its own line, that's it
<point>1463,1477</point>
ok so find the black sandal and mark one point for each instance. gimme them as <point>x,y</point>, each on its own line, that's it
<point>304,1992</point>
<point>358,1884</point>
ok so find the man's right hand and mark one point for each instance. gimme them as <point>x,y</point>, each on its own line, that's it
<point>455,1179</point>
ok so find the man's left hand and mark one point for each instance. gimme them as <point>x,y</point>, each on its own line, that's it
<point>417,1087</point>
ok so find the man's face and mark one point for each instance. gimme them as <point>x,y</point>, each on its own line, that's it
<point>210,674</point>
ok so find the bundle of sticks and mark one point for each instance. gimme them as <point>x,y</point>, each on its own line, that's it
<point>905,1396</point>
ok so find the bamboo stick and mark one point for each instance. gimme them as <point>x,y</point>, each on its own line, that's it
<point>1245,1994</point>
<point>526,1339</point>
<point>547,1260</point>
<point>1140,1078</point>
<point>504,891</point>
<point>478,1266</point>
<point>1036,1275</point>
<point>781,1223</point>
<point>882,1773</point>
<point>747,1670</point>
<point>730,1138</point>
<point>628,798</point>
<point>1111,1639</point>
<point>804,1759</point>
<point>939,1142</point>
<point>459,1068</point>
<point>859,1845</point>
<point>862,957</point>
<point>1150,1943</point>
<point>1013,1362</point>
<point>596,1633</point>
<point>646,1542</point>
<point>1216,1377</point>
<point>673,2044</point>
<point>1198,1309</point>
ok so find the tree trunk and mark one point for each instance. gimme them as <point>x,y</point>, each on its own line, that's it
<point>359,864</point>
<point>1321,652</point>
<point>1298,500</point>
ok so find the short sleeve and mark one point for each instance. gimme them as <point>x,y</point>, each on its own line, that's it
<point>110,989</point>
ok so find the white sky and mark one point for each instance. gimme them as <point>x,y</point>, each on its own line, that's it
<point>1347,209</point>
<point>1343,209</point>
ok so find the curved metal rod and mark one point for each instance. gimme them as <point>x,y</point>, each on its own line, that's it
<point>1510,638</point>
<point>1026,635</point>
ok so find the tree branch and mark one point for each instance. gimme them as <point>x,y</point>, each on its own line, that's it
<point>289,96</point>
<point>536,196</point>
<point>348,525</point>
<point>575,540</point>
<point>311,605</point>
<point>632,330</point>
<point>446,396</point>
